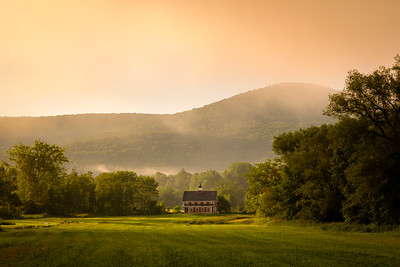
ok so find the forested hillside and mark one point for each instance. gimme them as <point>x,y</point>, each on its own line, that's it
<point>240,128</point>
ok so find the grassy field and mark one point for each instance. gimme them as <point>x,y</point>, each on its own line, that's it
<point>189,240</point>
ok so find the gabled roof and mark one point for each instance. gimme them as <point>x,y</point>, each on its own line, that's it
<point>195,196</point>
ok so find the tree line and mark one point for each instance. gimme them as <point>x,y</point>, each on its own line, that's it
<point>39,183</point>
<point>347,171</point>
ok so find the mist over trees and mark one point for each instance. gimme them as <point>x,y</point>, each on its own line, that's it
<point>237,129</point>
<point>347,171</point>
<point>38,183</point>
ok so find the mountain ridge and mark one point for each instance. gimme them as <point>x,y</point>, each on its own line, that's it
<point>239,128</point>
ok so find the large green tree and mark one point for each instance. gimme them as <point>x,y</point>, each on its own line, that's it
<point>126,193</point>
<point>309,166</point>
<point>114,192</point>
<point>79,193</point>
<point>262,194</point>
<point>146,195</point>
<point>40,176</point>
<point>372,102</point>
<point>374,98</point>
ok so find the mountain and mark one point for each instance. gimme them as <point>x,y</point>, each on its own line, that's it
<point>240,128</point>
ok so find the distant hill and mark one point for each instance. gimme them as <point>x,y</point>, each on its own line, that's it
<point>240,128</point>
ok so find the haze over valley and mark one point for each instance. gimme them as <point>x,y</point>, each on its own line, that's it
<point>240,128</point>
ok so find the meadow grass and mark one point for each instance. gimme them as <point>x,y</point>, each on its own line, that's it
<point>189,240</point>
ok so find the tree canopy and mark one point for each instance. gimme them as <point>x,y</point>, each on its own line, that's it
<point>346,171</point>
<point>39,183</point>
<point>374,98</point>
<point>40,173</point>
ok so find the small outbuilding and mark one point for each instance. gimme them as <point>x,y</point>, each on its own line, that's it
<point>200,201</point>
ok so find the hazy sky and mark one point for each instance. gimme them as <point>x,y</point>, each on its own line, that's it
<point>102,56</point>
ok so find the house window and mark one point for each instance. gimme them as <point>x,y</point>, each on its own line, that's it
<point>208,209</point>
<point>195,203</point>
<point>201,203</point>
<point>190,202</point>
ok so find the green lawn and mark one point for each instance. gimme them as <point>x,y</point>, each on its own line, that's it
<point>189,240</point>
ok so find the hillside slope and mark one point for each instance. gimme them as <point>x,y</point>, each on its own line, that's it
<point>240,128</point>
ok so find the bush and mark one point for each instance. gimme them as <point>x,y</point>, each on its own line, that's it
<point>176,209</point>
<point>8,211</point>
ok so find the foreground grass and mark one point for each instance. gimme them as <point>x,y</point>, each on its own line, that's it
<point>189,240</point>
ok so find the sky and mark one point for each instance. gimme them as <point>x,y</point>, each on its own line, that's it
<point>136,56</point>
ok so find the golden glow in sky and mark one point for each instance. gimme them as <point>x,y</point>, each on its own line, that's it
<point>103,56</point>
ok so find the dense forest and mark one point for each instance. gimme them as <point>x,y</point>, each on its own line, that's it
<point>237,129</point>
<point>347,171</point>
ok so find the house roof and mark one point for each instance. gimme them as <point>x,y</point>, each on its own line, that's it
<point>195,196</point>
